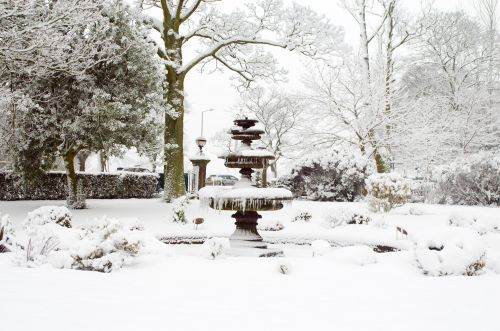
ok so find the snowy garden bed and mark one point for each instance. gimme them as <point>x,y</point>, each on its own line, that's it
<point>200,286</point>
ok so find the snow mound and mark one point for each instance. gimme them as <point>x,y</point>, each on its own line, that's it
<point>320,247</point>
<point>344,215</point>
<point>356,255</point>
<point>270,225</point>
<point>455,251</point>
<point>215,247</point>
<point>284,267</point>
<point>481,225</point>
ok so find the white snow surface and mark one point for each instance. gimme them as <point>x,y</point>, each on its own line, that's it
<point>349,288</point>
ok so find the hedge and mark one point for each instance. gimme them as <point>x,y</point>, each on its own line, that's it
<point>53,186</point>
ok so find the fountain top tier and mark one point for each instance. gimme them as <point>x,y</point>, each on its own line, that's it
<point>243,195</point>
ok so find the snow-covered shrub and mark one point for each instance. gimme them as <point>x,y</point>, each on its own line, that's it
<point>6,233</point>
<point>417,211</point>
<point>179,210</point>
<point>270,225</point>
<point>357,255</point>
<point>41,242</point>
<point>330,175</point>
<point>215,247</point>
<point>456,252</point>
<point>386,191</point>
<point>320,247</point>
<point>302,216</point>
<point>106,246</point>
<point>59,215</point>
<point>284,267</point>
<point>482,226</point>
<point>472,180</point>
<point>53,186</point>
<point>347,215</point>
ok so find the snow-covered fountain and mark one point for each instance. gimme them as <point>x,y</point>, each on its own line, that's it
<point>245,198</point>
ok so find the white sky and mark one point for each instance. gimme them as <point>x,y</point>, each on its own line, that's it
<point>204,91</point>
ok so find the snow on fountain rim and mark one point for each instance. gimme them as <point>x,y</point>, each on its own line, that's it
<point>249,153</point>
<point>242,197</point>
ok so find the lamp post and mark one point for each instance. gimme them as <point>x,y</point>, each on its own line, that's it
<point>203,113</point>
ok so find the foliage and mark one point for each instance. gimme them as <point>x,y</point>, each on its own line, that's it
<point>275,225</point>
<point>386,191</point>
<point>302,216</point>
<point>6,233</point>
<point>332,175</point>
<point>344,215</point>
<point>99,89</point>
<point>471,180</point>
<point>52,186</point>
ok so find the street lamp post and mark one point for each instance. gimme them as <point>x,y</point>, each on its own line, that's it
<point>203,113</point>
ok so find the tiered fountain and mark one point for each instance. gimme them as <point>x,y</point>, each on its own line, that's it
<point>245,198</point>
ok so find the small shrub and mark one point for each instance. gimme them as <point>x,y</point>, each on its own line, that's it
<point>303,216</point>
<point>41,242</point>
<point>6,233</point>
<point>179,210</point>
<point>459,252</point>
<point>270,225</point>
<point>471,180</point>
<point>386,191</point>
<point>320,247</point>
<point>106,246</point>
<point>49,214</point>
<point>482,226</point>
<point>346,215</point>
<point>284,267</point>
<point>215,247</point>
<point>335,174</point>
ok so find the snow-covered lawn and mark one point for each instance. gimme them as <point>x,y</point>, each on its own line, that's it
<point>343,290</point>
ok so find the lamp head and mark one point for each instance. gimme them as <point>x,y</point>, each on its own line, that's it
<point>201,141</point>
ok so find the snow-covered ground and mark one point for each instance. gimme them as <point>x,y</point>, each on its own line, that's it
<point>351,288</point>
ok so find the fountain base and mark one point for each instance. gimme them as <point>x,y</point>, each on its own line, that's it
<point>246,240</point>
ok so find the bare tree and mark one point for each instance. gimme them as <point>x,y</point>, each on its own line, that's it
<point>231,41</point>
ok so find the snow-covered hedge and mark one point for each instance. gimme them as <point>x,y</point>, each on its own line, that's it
<point>328,175</point>
<point>53,186</point>
<point>472,180</point>
<point>386,191</point>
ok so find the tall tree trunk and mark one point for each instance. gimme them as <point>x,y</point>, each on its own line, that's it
<point>82,157</point>
<point>72,179</point>
<point>174,126</point>
<point>102,161</point>
<point>274,169</point>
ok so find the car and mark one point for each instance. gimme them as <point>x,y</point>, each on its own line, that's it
<point>133,169</point>
<point>223,180</point>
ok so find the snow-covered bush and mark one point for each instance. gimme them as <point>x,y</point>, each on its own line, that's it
<point>106,246</point>
<point>53,186</point>
<point>179,210</point>
<point>215,247</point>
<point>284,267</point>
<point>270,225</point>
<point>59,215</point>
<point>6,233</point>
<point>357,255</point>
<point>330,175</point>
<point>347,215</point>
<point>302,216</point>
<point>386,191</point>
<point>320,247</point>
<point>456,252</point>
<point>41,242</point>
<point>482,226</point>
<point>472,180</point>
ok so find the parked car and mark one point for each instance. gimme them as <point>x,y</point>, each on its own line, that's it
<point>224,180</point>
<point>133,169</point>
